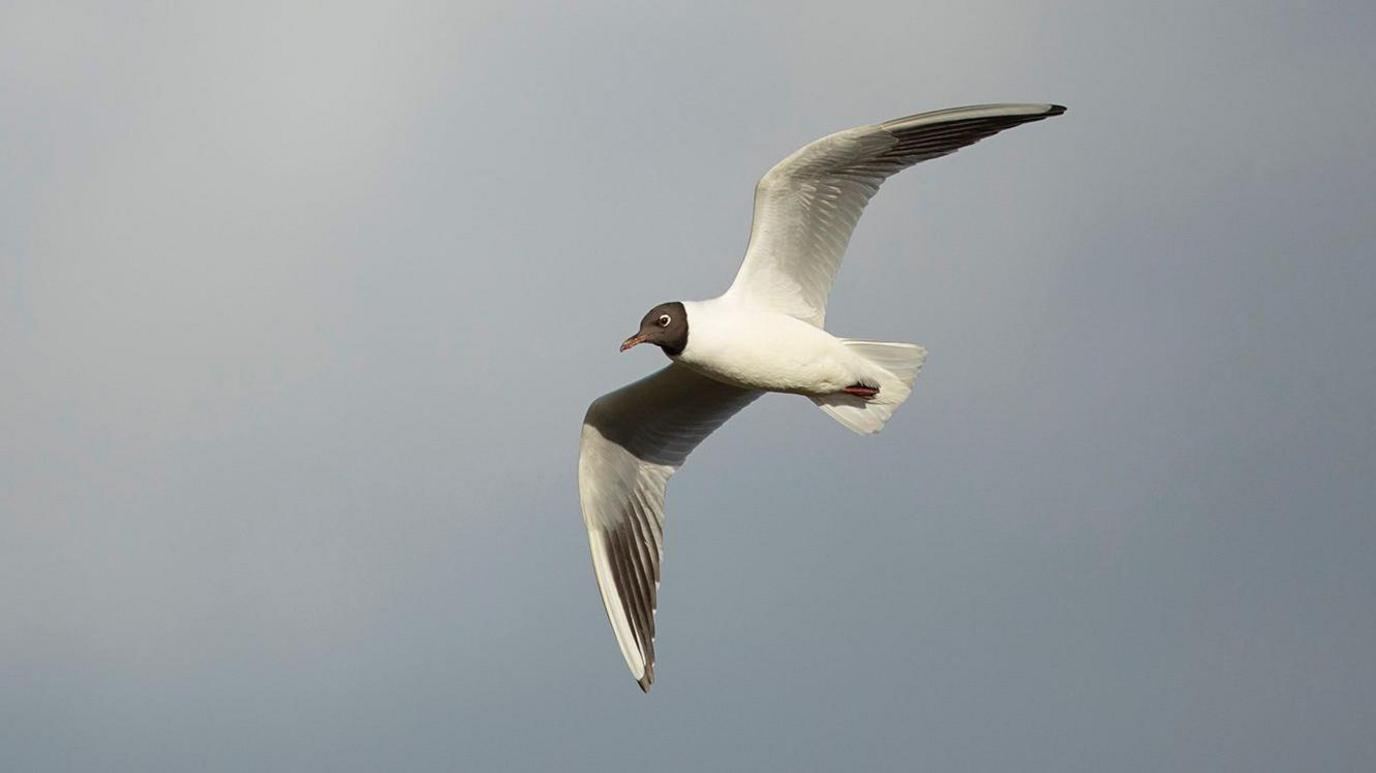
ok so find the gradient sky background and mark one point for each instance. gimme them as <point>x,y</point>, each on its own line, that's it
<point>301,307</point>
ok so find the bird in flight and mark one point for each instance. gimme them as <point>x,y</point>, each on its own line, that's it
<point>764,334</point>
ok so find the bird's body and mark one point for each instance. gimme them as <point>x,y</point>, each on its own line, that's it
<point>764,334</point>
<point>751,348</point>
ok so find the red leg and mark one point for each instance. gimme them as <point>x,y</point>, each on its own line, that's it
<point>860,390</point>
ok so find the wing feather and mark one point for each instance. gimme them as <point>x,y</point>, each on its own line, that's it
<point>807,206</point>
<point>634,439</point>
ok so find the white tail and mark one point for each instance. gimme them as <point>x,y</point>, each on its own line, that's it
<point>898,366</point>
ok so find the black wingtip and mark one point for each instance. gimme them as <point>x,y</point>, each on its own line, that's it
<point>1056,110</point>
<point>648,678</point>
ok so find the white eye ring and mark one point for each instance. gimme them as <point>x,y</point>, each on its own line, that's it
<point>664,320</point>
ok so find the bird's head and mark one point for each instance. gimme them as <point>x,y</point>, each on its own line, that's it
<point>665,326</point>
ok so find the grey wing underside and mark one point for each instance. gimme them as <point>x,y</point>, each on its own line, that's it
<point>806,207</point>
<point>633,440</point>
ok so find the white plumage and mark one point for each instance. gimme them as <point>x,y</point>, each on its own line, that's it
<point>764,334</point>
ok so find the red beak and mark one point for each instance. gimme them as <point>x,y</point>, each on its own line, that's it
<point>632,341</point>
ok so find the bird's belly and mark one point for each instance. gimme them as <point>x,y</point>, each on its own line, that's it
<point>815,365</point>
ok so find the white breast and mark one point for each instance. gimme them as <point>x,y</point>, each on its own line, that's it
<point>757,349</point>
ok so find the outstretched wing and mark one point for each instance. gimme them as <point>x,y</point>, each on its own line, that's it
<point>806,206</point>
<point>633,440</point>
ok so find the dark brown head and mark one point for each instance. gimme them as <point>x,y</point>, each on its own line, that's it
<point>665,326</point>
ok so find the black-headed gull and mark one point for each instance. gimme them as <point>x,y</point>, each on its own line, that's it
<point>764,334</point>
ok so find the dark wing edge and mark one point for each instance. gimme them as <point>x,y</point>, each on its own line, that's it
<point>942,132</point>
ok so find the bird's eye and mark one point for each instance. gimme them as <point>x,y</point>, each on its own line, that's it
<point>663,320</point>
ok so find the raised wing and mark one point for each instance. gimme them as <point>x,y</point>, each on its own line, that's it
<point>633,440</point>
<point>806,206</point>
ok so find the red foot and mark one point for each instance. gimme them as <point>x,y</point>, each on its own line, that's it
<point>860,390</point>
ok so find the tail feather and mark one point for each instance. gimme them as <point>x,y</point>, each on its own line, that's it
<point>897,368</point>
<point>902,360</point>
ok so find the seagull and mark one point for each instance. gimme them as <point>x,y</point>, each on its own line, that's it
<point>764,334</point>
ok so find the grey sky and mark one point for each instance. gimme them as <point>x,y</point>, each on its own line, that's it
<point>300,309</point>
